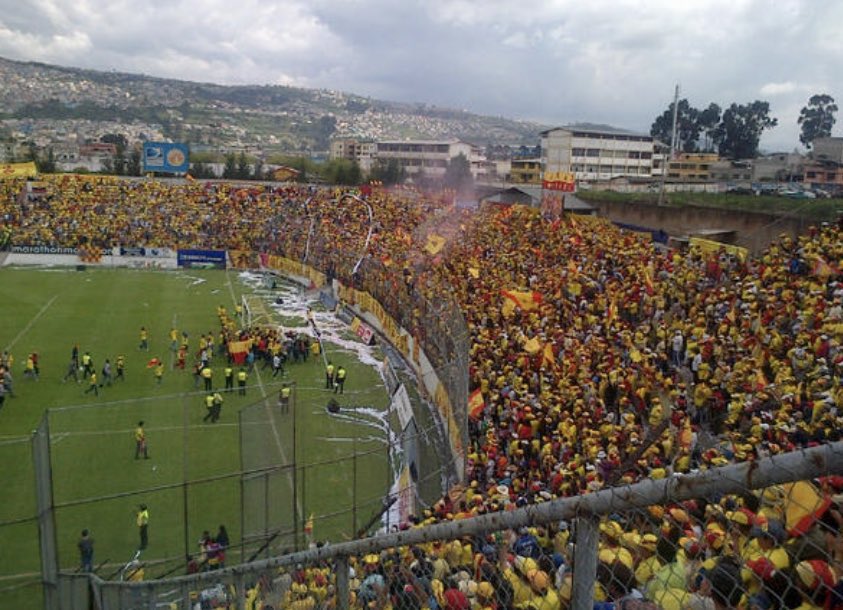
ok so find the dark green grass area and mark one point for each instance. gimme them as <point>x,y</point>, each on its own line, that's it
<point>97,482</point>
<point>814,209</point>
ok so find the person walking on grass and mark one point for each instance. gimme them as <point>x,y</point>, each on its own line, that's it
<point>140,442</point>
<point>92,385</point>
<point>86,552</point>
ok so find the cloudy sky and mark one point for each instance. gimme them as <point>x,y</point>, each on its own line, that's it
<point>554,61</point>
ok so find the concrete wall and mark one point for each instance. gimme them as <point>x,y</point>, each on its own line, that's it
<point>754,230</point>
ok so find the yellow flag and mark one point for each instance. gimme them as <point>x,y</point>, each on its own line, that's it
<point>14,170</point>
<point>435,243</point>
<point>532,346</point>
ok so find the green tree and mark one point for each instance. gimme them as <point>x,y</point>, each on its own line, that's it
<point>458,174</point>
<point>389,172</point>
<point>687,126</point>
<point>133,163</point>
<point>817,118</point>
<point>258,173</point>
<point>707,121</point>
<point>739,132</point>
<point>243,171</point>
<point>230,170</point>
<point>48,165</point>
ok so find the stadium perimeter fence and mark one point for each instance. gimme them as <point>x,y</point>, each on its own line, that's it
<point>282,503</point>
<point>691,519</point>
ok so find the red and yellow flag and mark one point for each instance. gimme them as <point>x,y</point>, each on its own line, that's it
<point>476,404</point>
<point>611,313</point>
<point>548,358</point>
<point>526,301</point>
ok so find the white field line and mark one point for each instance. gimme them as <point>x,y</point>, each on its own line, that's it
<point>29,325</point>
<point>268,408</point>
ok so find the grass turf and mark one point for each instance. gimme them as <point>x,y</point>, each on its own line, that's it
<point>92,442</point>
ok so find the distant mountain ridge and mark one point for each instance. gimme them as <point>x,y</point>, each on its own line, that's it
<point>271,117</point>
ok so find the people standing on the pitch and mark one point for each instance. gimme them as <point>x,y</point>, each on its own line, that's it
<point>329,375</point>
<point>106,373</point>
<point>121,368</point>
<point>144,339</point>
<point>208,377</point>
<point>228,373</point>
<point>86,552</point>
<point>31,367</point>
<point>174,339</point>
<point>92,384</point>
<point>72,371</point>
<point>209,408</point>
<point>87,364</point>
<point>339,384</point>
<point>284,397</point>
<point>7,382</point>
<point>217,409</point>
<point>241,381</point>
<point>140,442</point>
<point>143,526</point>
<point>159,372</point>
<point>181,358</point>
<point>277,364</point>
<point>74,354</point>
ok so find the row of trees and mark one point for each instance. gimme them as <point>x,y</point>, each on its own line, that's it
<point>736,131</point>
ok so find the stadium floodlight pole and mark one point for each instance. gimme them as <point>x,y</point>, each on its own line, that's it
<point>371,228</point>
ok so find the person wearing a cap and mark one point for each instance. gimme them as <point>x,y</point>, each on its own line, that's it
<point>647,562</point>
<point>816,581</point>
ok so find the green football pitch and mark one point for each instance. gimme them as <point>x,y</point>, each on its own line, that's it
<point>192,481</point>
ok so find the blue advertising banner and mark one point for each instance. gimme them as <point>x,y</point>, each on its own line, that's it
<point>206,259</point>
<point>165,157</point>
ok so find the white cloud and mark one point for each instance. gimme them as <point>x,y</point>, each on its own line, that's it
<point>774,89</point>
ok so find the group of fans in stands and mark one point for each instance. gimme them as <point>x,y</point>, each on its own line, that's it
<point>596,360</point>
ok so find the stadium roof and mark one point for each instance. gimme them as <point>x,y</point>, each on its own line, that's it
<point>598,128</point>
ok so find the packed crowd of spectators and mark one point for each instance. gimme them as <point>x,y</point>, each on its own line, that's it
<point>623,362</point>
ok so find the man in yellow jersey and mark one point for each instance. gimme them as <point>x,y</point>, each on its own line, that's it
<point>140,442</point>
<point>144,339</point>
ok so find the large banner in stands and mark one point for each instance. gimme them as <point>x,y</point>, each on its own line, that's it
<point>43,250</point>
<point>147,252</point>
<point>201,259</point>
<point>165,157</point>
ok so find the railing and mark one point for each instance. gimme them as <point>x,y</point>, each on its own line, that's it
<point>712,551</point>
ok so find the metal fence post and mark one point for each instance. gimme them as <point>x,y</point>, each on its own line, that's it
<point>585,562</point>
<point>341,570</point>
<point>46,513</point>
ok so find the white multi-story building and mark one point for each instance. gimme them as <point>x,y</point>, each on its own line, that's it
<point>430,157</point>
<point>597,153</point>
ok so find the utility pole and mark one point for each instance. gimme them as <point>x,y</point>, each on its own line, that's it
<point>666,164</point>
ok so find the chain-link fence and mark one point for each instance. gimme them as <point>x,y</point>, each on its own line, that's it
<point>762,534</point>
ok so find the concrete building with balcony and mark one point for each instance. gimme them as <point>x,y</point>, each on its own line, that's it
<point>361,151</point>
<point>596,153</point>
<point>691,167</point>
<point>525,171</point>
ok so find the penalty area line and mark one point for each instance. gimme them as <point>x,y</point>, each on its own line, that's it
<point>31,323</point>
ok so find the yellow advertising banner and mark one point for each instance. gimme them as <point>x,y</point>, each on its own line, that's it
<point>18,170</point>
<point>713,247</point>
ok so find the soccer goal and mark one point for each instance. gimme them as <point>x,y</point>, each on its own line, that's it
<point>255,311</point>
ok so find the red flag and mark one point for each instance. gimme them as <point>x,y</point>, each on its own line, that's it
<point>476,404</point>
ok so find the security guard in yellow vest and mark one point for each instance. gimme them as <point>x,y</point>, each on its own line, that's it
<point>241,381</point>
<point>228,372</point>
<point>209,407</point>
<point>143,526</point>
<point>329,376</point>
<point>207,375</point>
<point>284,398</point>
<point>340,380</point>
